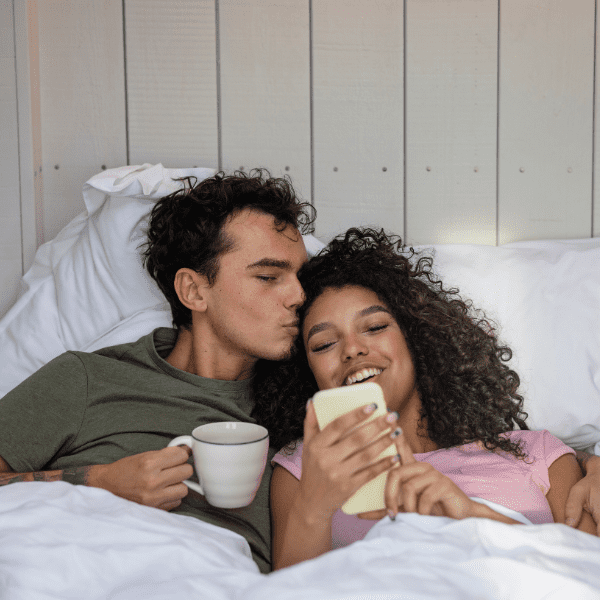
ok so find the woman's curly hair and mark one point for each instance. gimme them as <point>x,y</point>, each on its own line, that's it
<point>185,229</point>
<point>467,391</point>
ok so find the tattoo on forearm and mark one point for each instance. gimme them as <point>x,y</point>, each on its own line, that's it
<point>74,475</point>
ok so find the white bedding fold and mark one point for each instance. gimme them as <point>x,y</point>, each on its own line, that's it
<point>59,541</point>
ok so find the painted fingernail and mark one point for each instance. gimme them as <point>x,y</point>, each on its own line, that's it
<point>396,433</point>
<point>371,408</point>
<point>392,417</point>
<point>391,515</point>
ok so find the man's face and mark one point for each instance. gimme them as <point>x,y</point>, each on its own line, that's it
<point>251,308</point>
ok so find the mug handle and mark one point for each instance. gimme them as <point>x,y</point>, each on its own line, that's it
<point>187,440</point>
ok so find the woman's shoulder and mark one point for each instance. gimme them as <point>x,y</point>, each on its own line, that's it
<point>290,458</point>
<point>539,441</point>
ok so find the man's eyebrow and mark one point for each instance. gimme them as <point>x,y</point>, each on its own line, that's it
<point>271,262</point>
<point>363,313</point>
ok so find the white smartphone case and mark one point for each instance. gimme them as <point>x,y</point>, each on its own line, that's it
<point>332,403</point>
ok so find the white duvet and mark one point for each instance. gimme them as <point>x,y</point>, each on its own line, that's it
<point>59,541</point>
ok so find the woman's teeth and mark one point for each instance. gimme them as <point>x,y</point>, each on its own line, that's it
<point>361,376</point>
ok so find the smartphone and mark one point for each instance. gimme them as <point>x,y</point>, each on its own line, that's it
<point>329,405</point>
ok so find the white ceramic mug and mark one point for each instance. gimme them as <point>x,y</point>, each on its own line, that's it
<point>230,459</point>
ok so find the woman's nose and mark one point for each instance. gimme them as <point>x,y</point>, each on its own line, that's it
<point>354,346</point>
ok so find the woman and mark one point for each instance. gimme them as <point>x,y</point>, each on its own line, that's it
<point>371,313</point>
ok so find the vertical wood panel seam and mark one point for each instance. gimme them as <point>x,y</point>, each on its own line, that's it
<point>218,75</point>
<point>405,124</point>
<point>498,130</point>
<point>595,76</point>
<point>14,25</point>
<point>311,102</point>
<point>126,99</point>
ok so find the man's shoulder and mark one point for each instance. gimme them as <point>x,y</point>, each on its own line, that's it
<point>156,341</point>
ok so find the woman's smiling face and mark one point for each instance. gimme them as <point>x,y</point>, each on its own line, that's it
<point>351,336</point>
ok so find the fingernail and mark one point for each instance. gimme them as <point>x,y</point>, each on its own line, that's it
<point>391,515</point>
<point>396,433</point>
<point>371,408</point>
<point>308,403</point>
<point>392,417</point>
<point>570,522</point>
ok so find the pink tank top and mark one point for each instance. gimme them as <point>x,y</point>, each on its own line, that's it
<point>498,477</point>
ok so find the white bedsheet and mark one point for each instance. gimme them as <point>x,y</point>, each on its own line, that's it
<point>59,541</point>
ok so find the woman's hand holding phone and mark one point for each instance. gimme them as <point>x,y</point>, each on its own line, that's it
<point>418,487</point>
<point>342,457</point>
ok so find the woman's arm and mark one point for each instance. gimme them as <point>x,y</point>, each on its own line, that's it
<point>564,473</point>
<point>335,463</point>
<point>296,536</point>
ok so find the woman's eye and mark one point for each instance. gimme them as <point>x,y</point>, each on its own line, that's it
<point>266,277</point>
<point>376,328</point>
<point>321,347</point>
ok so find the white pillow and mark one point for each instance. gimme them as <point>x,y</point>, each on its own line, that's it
<point>545,298</point>
<point>87,288</point>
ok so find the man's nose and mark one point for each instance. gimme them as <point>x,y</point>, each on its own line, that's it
<point>296,296</point>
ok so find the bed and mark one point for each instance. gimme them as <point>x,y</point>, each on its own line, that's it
<point>87,289</point>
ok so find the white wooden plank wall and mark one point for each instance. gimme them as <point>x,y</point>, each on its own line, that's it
<point>596,187</point>
<point>10,214</point>
<point>443,120</point>
<point>358,64</point>
<point>265,88</point>
<point>546,94</point>
<point>451,121</point>
<point>82,100</point>
<point>171,82</point>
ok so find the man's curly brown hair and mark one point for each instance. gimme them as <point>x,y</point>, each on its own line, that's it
<point>185,228</point>
<point>468,393</point>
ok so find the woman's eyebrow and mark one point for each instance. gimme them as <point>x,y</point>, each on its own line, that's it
<point>318,328</point>
<point>372,309</point>
<point>362,313</point>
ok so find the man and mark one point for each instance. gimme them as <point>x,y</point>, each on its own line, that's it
<point>226,253</point>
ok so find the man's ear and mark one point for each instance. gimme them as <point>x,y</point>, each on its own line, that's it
<point>189,287</point>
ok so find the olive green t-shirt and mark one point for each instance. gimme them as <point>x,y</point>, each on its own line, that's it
<point>95,408</point>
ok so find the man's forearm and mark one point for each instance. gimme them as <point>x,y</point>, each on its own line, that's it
<point>74,475</point>
<point>587,462</point>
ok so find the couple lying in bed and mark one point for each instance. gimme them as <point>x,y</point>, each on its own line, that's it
<point>228,255</point>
